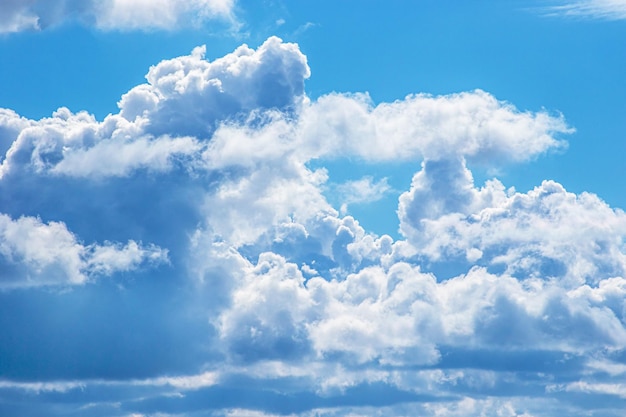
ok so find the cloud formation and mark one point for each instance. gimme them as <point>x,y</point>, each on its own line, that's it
<point>264,299</point>
<point>20,15</point>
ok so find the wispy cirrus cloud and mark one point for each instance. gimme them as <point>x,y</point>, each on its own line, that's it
<point>364,190</point>
<point>594,9</point>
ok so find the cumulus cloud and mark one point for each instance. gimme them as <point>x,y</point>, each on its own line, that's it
<point>473,124</point>
<point>36,253</point>
<point>251,105</point>
<point>185,96</point>
<point>399,315</point>
<point>546,232</point>
<point>190,94</point>
<point>78,145</point>
<point>488,290</point>
<point>20,15</point>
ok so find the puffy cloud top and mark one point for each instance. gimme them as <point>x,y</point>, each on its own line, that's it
<point>189,94</point>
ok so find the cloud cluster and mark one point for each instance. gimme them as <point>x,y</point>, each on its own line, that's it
<point>546,232</point>
<point>283,300</point>
<point>20,15</point>
<point>184,96</point>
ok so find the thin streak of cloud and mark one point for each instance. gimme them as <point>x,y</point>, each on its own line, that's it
<point>594,9</point>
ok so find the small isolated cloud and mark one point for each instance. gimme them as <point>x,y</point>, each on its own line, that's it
<point>304,28</point>
<point>596,9</point>
<point>20,15</point>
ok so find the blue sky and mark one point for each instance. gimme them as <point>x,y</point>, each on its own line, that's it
<point>312,208</point>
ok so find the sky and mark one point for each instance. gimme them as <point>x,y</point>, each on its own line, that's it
<point>312,208</point>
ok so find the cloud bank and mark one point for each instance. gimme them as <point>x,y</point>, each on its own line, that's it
<point>252,295</point>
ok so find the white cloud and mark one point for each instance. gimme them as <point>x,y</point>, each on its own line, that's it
<point>34,253</point>
<point>472,124</point>
<point>546,232</point>
<point>78,145</point>
<point>160,14</point>
<point>185,96</point>
<point>593,387</point>
<point>11,124</point>
<point>463,407</point>
<point>398,316</point>
<point>190,94</point>
<point>19,15</point>
<point>112,258</point>
<point>251,105</point>
<point>598,9</point>
<point>293,288</point>
<point>180,382</point>
<point>364,190</point>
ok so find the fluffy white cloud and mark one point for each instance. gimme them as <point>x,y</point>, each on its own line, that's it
<point>78,145</point>
<point>190,94</point>
<point>251,105</point>
<point>546,232</point>
<point>295,291</point>
<point>474,124</point>
<point>398,316</point>
<point>34,253</point>
<point>185,96</point>
<point>19,15</point>
<point>599,9</point>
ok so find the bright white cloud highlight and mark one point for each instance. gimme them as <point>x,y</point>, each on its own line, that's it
<point>34,253</point>
<point>185,96</point>
<point>547,232</point>
<point>474,124</point>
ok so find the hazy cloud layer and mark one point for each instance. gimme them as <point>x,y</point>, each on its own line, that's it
<point>251,294</point>
<point>20,15</point>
